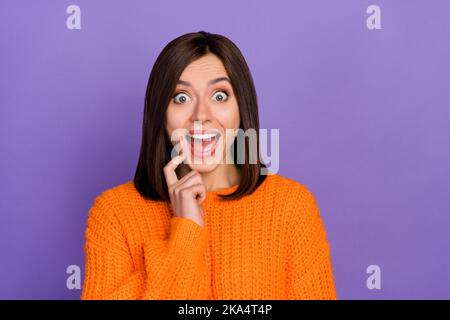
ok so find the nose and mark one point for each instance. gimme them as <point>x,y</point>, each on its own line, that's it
<point>201,112</point>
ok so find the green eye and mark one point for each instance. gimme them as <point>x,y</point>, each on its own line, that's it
<point>220,96</point>
<point>181,98</point>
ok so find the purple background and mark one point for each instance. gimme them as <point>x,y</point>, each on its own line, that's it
<point>363,118</point>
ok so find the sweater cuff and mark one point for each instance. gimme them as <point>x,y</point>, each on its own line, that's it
<point>186,235</point>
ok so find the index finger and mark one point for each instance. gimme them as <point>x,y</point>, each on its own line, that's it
<point>169,169</point>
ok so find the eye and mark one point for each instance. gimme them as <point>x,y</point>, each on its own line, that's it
<point>220,96</point>
<point>181,98</point>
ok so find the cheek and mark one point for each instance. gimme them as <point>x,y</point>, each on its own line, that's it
<point>175,119</point>
<point>229,117</point>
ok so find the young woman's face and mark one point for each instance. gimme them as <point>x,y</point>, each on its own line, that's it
<point>204,104</point>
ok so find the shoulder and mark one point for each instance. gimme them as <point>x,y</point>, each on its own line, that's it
<point>296,198</point>
<point>124,196</point>
<point>111,200</point>
<point>116,195</point>
<point>290,190</point>
<point>102,225</point>
<point>120,203</point>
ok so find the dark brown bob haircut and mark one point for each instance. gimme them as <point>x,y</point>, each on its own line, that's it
<point>156,147</point>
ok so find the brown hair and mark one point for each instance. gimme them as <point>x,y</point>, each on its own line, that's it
<point>156,146</point>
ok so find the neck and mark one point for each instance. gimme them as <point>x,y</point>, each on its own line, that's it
<point>223,176</point>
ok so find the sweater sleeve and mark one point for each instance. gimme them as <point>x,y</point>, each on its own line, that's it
<point>310,274</point>
<point>173,268</point>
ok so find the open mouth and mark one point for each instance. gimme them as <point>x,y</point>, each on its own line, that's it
<point>203,145</point>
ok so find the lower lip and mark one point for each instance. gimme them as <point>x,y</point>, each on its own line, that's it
<point>201,151</point>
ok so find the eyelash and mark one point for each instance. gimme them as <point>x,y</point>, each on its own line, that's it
<point>224,91</point>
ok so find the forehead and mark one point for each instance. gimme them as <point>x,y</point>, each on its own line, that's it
<point>205,68</point>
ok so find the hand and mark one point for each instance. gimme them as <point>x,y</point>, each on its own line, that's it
<point>188,193</point>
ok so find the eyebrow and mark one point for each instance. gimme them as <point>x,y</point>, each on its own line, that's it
<point>211,82</point>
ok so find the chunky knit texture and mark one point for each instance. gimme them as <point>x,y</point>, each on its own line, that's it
<point>271,244</point>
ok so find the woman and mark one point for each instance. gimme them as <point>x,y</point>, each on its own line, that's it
<point>191,228</point>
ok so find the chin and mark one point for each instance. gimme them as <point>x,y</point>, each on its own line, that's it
<point>203,167</point>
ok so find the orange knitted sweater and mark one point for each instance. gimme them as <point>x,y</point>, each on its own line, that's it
<point>271,244</point>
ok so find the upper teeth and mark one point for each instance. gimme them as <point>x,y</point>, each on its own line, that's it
<point>203,136</point>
